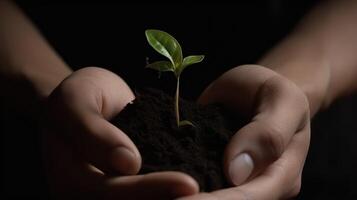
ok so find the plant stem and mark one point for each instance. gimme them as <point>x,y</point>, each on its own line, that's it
<point>177,101</point>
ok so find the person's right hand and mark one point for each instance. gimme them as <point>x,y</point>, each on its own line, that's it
<point>88,157</point>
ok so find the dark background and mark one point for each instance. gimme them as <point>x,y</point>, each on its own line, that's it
<point>111,35</point>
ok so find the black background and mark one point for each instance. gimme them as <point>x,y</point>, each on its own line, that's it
<point>111,35</point>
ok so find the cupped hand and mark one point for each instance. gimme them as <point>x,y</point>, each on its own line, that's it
<point>265,158</point>
<point>88,157</point>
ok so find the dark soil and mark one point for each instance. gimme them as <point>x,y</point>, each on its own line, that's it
<point>198,151</point>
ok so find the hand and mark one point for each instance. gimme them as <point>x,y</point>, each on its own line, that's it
<point>265,158</point>
<point>88,157</point>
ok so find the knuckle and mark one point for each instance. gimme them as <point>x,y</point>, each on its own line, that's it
<point>273,140</point>
<point>281,87</point>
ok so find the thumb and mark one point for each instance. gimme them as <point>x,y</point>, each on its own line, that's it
<point>80,109</point>
<point>252,149</point>
<point>281,112</point>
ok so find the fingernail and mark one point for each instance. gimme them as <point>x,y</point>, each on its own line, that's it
<point>240,168</point>
<point>122,159</point>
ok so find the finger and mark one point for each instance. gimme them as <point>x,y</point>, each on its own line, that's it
<point>107,147</point>
<point>280,114</point>
<point>237,87</point>
<point>279,110</point>
<point>71,178</point>
<point>84,103</point>
<point>158,185</point>
<point>281,180</point>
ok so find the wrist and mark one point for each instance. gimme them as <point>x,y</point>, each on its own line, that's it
<point>308,68</point>
<point>24,92</point>
<point>314,83</point>
<point>45,79</point>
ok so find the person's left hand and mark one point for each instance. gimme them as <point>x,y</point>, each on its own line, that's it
<point>265,158</point>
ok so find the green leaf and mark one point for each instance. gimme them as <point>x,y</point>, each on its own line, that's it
<point>186,123</point>
<point>161,66</point>
<point>166,45</point>
<point>190,60</point>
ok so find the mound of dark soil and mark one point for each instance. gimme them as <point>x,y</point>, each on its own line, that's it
<point>198,151</point>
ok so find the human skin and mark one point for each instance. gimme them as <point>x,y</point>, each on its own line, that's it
<point>87,156</point>
<point>264,159</point>
<point>318,59</point>
<point>25,54</point>
<point>87,136</point>
<point>304,73</point>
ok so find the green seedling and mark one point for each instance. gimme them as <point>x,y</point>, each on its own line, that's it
<point>168,46</point>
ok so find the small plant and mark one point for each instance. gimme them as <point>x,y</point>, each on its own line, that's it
<point>168,46</point>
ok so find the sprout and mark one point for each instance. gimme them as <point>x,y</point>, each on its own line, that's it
<point>168,46</point>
